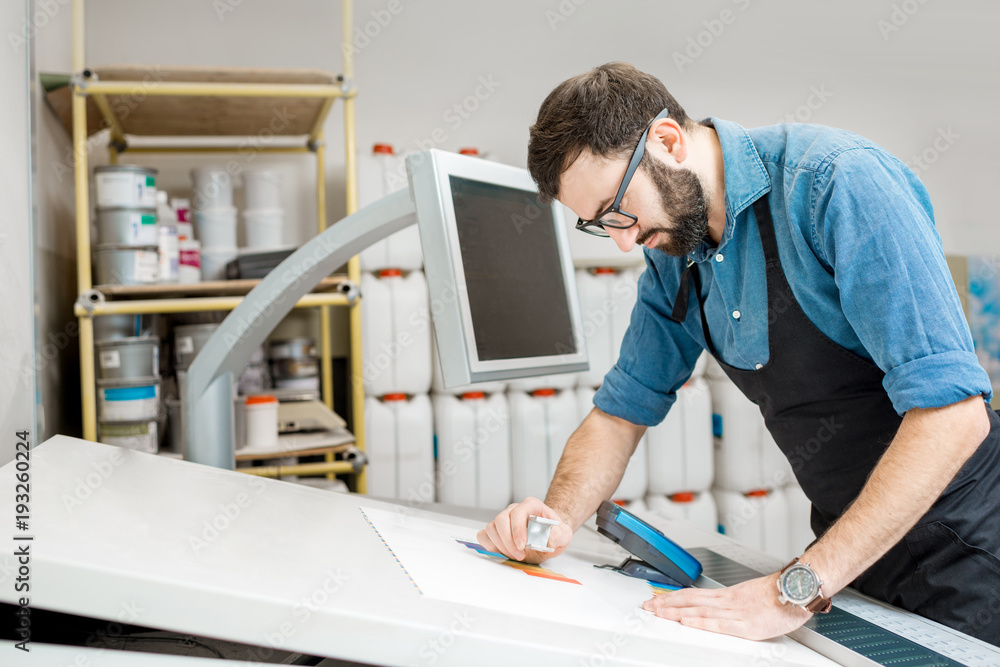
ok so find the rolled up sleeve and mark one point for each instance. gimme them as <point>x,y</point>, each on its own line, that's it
<point>657,357</point>
<point>874,223</point>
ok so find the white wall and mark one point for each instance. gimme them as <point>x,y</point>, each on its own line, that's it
<point>17,386</point>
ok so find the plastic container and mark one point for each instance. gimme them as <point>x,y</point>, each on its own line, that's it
<point>399,443</point>
<point>170,254</point>
<point>758,519</point>
<point>680,448</point>
<point>380,173</point>
<point>635,481</point>
<point>746,457</point>
<point>261,415</point>
<point>188,341</point>
<point>299,384</point>
<point>125,185</point>
<point>540,425</point>
<point>123,400</point>
<point>213,188</point>
<point>291,348</point>
<point>263,228</point>
<point>437,377</point>
<point>473,450</point>
<point>262,189</point>
<point>530,384</point>
<point>396,333</point>
<point>126,265</point>
<point>701,365</point>
<point>182,208</point>
<point>697,508</point>
<point>107,327</point>
<point>800,534</point>
<point>607,296</point>
<point>303,367</point>
<point>216,227</point>
<point>126,226</point>
<point>141,436</point>
<point>189,261</point>
<point>214,261</point>
<point>128,357</point>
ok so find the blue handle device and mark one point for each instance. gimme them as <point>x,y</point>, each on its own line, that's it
<point>647,543</point>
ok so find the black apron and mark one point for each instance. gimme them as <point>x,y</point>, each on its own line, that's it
<point>829,413</point>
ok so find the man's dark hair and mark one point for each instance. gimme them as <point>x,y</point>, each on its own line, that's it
<point>604,110</point>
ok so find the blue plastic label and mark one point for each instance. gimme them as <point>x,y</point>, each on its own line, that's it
<point>716,425</point>
<point>130,393</point>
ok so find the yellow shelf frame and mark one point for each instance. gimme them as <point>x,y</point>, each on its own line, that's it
<point>82,88</point>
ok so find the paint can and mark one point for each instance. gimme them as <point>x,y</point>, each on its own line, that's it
<point>126,265</point>
<point>131,399</point>
<point>128,357</point>
<point>120,225</point>
<point>126,185</point>
<point>141,436</point>
<point>188,341</point>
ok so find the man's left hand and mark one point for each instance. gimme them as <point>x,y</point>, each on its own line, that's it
<point>750,610</point>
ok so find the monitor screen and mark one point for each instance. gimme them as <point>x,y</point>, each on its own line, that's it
<point>502,289</point>
<point>517,294</point>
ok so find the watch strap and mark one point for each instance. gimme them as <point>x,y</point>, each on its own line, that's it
<point>819,605</point>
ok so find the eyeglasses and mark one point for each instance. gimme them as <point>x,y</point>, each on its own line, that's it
<point>613,216</point>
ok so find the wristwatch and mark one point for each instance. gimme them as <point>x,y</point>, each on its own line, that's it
<point>798,584</point>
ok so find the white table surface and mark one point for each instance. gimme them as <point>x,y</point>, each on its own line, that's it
<point>121,535</point>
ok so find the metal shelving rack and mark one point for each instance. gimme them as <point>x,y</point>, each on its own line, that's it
<point>85,84</point>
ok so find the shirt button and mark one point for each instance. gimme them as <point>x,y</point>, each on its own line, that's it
<point>736,314</point>
<point>718,258</point>
<point>759,366</point>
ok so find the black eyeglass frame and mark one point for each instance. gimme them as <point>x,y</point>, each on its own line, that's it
<point>596,226</point>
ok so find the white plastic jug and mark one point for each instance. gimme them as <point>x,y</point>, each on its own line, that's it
<point>540,425</point>
<point>636,477</point>
<point>680,448</point>
<point>473,449</point>
<point>607,296</point>
<point>380,173</point>
<point>758,519</point>
<point>746,457</point>
<point>399,443</point>
<point>396,333</point>
<point>530,384</point>
<point>697,508</point>
<point>800,534</point>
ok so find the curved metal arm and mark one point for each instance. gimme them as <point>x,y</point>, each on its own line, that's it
<point>209,391</point>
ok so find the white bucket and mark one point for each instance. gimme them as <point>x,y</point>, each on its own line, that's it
<point>299,384</point>
<point>134,399</point>
<point>758,519</point>
<point>607,297</point>
<point>261,415</point>
<point>213,188</point>
<point>126,265</point>
<point>540,425</point>
<point>680,448</point>
<point>216,227</point>
<point>262,189</point>
<point>107,327</point>
<point>746,457</point>
<point>263,228</point>
<point>636,478</point>
<point>697,508</point>
<point>473,446</point>
<point>125,185</point>
<point>189,262</point>
<point>214,261</point>
<point>800,534</point>
<point>188,341</point>
<point>128,357</point>
<point>126,226</point>
<point>141,436</point>
<point>399,443</point>
<point>396,333</point>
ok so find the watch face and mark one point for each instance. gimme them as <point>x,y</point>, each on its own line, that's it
<point>799,584</point>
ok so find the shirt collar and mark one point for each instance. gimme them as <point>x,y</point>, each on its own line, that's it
<point>746,179</point>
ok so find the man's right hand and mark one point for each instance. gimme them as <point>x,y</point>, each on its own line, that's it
<point>508,532</point>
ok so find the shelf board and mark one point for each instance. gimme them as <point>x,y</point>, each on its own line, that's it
<point>226,108</point>
<point>206,288</point>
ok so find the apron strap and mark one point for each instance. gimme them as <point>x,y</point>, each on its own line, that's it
<point>679,313</point>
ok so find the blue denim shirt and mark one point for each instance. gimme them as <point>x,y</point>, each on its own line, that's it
<point>857,242</point>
